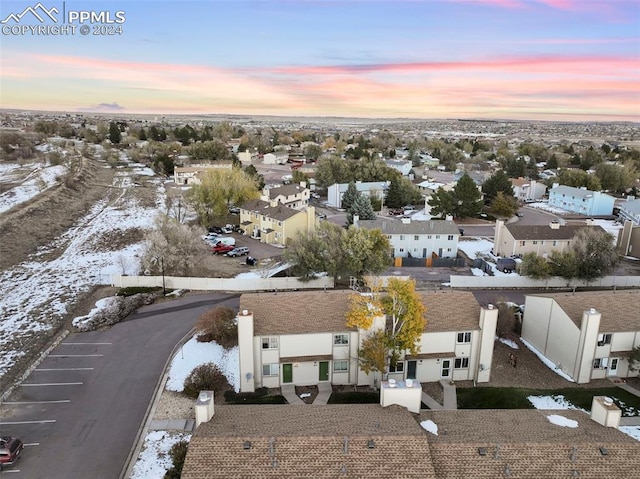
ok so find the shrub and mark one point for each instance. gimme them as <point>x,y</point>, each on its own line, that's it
<point>178,452</point>
<point>131,290</point>
<point>218,325</point>
<point>205,377</point>
<point>115,311</point>
<point>259,396</point>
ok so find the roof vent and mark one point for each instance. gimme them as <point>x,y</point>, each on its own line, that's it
<point>574,453</point>
<point>345,445</point>
<point>603,451</point>
<point>246,445</point>
<point>507,470</point>
<point>371,444</point>
<point>482,451</point>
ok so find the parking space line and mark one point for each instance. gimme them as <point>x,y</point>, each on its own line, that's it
<point>32,444</point>
<point>18,403</point>
<point>75,355</point>
<point>16,423</point>
<point>63,369</point>
<point>85,344</point>
<point>7,471</point>
<point>50,384</point>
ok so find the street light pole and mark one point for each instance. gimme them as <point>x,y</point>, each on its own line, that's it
<point>164,290</point>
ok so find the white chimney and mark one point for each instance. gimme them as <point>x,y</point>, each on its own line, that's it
<point>605,412</point>
<point>405,221</point>
<point>204,407</point>
<point>554,225</point>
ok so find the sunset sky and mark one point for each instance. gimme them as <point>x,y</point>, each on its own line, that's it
<point>496,59</point>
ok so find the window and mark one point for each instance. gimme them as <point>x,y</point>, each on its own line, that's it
<point>270,369</point>
<point>461,363</point>
<point>269,343</point>
<point>415,237</point>
<point>450,237</point>
<point>398,368</point>
<point>448,250</point>
<point>523,243</point>
<point>464,337</point>
<point>401,237</point>
<point>340,339</point>
<point>437,236</point>
<point>428,236</point>
<point>340,366</point>
<point>401,250</point>
<point>604,339</point>
<point>388,236</point>
<point>600,363</point>
<point>535,242</point>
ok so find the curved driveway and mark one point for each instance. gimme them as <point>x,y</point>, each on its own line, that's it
<point>80,410</point>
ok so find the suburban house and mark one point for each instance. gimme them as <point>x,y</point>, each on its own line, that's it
<point>428,187</point>
<point>403,166</point>
<point>515,239</point>
<point>301,338</point>
<point>528,190</point>
<point>248,157</point>
<point>588,335</point>
<point>190,175</point>
<point>374,189</point>
<point>274,223</point>
<point>629,240</point>
<point>581,200</point>
<point>276,158</point>
<point>368,440</point>
<point>417,239</point>
<point>293,195</point>
<point>630,210</point>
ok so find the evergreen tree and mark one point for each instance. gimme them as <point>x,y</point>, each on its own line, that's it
<point>350,196</point>
<point>361,208</point>
<point>499,181</point>
<point>393,197</point>
<point>114,133</point>
<point>442,203</point>
<point>467,198</point>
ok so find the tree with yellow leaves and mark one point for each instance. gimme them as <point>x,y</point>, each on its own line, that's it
<point>405,321</point>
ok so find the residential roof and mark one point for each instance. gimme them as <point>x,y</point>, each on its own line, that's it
<point>298,312</point>
<point>363,186</point>
<point>545,232</point>
<point>392,226</point>
<point>577,192</point>
<point>520,181</point>
<point>325,311</point>
<point>527,445</point>
<point>279,212</point>
<point>620,309</point>
<point>451,310</point>
<point>309,442</point>
<point>285,190</point>
<point>284,441</point>
<point>632,207</point>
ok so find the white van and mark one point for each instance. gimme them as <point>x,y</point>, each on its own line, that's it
<point>228,240</point>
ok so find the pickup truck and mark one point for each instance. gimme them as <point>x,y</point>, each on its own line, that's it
<point>10,449</point>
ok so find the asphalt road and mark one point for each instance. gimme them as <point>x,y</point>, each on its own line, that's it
<point>80,410</point>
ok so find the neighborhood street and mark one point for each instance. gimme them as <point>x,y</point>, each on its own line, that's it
<point>80,410</point>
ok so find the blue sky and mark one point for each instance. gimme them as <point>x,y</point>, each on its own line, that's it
<point>526,59</point>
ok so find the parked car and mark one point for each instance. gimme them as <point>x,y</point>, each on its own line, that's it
<point>222,248</point>
<point>234,210</point>
<point>241,251</point>
<point>506,265</point>
<point>10,449</point>
<point>396,212</point>
<point>215,230</point>
<point>228,240</point>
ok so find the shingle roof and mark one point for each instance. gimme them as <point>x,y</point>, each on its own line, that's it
<point>620,309</point>
<point>632,207</point>
<point>527,445</point>
<point>393,226</point>
<point>570,190</point>
<point>297,312</point>
<point>285,190</point>
<point>325,311</point>
<point>309,442</point>
<point>279,212</point>
<point>451,310</point>
<point>331,442</point>
<point>545,232</point>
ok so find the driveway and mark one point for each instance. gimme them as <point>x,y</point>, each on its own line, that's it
<point>80,410</point>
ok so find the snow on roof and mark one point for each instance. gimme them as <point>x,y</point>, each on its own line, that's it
<point>562,421</point>
<point>430,426</point>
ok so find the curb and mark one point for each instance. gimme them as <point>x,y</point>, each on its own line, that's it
<point>151,409</point>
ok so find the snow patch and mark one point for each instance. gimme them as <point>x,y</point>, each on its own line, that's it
<point>154,460</point>
<point>430,426</point>
<point>562,421</point>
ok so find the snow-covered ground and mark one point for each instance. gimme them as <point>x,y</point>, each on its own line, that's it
<point>547,207</point>
<point>39,178</point>
<point>154,461</point>
<point>37,293</point>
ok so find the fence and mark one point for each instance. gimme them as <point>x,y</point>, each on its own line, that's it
<point>553,282</point>
<point>220,284</point>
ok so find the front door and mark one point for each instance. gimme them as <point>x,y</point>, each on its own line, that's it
<point>439,252</point>
<point>324,371</point>
<point>287,373</point>
<point>424,252</point>
<point>446,368</point>
<point>613,367</point>
<point>411,369</point>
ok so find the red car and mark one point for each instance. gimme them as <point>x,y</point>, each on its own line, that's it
<point>10,449</point>
<point>222,248</point>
